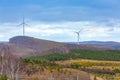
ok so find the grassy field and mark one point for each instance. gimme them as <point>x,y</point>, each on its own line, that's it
<point>104,64</point>
<point>108,70</point>
<point>41,69</point>
<point>65,74</point>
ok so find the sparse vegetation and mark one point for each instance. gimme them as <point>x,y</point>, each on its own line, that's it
<point>102,69</point>
<point>55,65</point>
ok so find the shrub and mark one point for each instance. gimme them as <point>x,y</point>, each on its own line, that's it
<point>3,77</point>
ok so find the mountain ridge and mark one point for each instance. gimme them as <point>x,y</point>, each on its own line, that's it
<point>105,44</point>
<point>25,46</point>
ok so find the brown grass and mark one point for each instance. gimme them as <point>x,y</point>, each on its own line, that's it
<point>65,74</point>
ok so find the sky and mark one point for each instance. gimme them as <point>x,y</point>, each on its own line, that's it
<point>58,20</point>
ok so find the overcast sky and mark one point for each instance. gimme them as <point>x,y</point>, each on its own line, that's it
<point>57,20</point>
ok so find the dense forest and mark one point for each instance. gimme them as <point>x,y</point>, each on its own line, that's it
<point>113,55</point>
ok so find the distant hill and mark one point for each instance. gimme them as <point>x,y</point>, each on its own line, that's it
<point>25,46</point>
<point>102,44</point>
<point>38,45</point>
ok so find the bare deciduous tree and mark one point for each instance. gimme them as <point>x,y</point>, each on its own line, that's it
<point>9,64</point>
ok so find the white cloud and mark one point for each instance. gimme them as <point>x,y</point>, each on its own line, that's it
<point>1,36</point>
<point>32,30</point>
<point>94,32</point>
<point>65,30</point>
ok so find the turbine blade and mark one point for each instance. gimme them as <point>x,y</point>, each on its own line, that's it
<point>27,24</point>
<point>19,25</point>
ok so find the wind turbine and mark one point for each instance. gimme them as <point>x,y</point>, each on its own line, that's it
<point>23,26</point>
<point>78,36</point>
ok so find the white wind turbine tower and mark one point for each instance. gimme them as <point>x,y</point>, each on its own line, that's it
<point>23,26</point>
<point>78,36</point>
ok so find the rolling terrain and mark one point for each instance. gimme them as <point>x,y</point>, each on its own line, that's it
<point>44,59</point>
<point>39,46</point>
<point>25,46</point>
<point>101,44</point>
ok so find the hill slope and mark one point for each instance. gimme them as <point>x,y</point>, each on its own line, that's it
<point>38,45</point>
<point>28,46</point>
